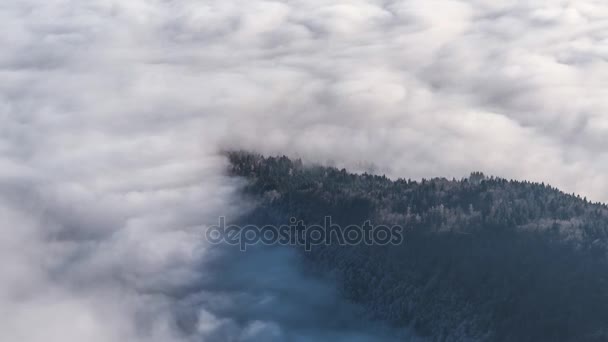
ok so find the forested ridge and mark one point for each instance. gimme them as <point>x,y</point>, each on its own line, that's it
<point>483,259</point>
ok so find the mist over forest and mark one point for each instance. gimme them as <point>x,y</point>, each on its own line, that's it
<point>115,122</point>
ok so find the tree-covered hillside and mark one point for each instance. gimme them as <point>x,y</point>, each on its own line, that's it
<point>483,259</point>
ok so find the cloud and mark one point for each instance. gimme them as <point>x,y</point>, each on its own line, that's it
<point>113,113</point>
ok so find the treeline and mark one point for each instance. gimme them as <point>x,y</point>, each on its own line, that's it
<point>484,258</point>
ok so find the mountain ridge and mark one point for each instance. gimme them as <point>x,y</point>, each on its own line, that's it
<point>484,259</point>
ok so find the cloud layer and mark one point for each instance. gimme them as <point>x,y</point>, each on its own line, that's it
<point>113,114</point>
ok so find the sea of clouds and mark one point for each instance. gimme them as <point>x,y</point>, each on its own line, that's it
<point>113,116</point>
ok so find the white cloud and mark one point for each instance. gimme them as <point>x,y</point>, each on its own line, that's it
<point>112,114</point>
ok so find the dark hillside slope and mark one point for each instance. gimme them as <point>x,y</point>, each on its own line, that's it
<point>483,259</point>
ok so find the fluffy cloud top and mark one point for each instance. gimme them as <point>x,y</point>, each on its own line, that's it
<point>112,114</point>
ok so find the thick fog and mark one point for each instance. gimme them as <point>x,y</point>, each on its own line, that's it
<point>114,114</point>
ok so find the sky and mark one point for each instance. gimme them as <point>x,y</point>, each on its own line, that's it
<point>114,114</point>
